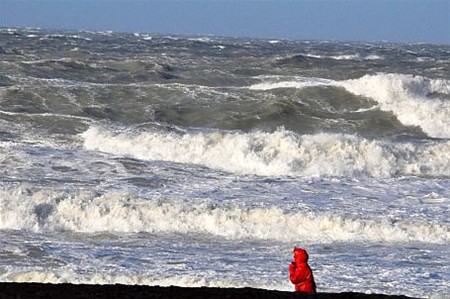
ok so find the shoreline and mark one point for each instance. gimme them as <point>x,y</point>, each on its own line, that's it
<point>10,290</point>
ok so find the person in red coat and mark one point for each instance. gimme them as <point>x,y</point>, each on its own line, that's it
<point>300,273</point>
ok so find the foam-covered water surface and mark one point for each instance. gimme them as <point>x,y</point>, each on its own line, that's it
<point>191,161</point>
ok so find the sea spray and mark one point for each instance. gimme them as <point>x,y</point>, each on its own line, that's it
<point>279,153</point>
<point>408,97</point>
<point>413,99</point>
<point>126,212</point>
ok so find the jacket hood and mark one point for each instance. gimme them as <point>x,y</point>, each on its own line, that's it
<point>300,255</point>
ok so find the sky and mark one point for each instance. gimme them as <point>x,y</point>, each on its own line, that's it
<point>409,21</point>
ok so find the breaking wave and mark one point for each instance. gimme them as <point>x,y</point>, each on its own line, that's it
<point>279,153</point>
<point>414,100</point>
<point>125,212</point>
<point>68,276</point>
<point>408,97</point>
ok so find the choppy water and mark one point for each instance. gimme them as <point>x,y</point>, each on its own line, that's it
<point>167,160</point>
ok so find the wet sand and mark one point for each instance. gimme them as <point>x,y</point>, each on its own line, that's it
<point>77,291</point>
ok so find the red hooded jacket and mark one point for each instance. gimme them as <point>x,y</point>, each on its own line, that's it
<point>300,273</point>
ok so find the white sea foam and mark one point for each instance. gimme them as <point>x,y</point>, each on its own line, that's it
<point>407,96</point>
<point>298,82</point>
<point>279,153</point>
<point>374,57</point>
<point>357,57</point>
<point>346,57</point>
<point>64,36</point>
<point>125,212</point>
<point>148,279</point>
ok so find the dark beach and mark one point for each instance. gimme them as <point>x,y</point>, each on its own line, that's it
<point>73,291</point>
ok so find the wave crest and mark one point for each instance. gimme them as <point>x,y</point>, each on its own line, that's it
<point>408,97</point>
<point>414,100</point>
<point>125,212</point>
<point>279,153</point>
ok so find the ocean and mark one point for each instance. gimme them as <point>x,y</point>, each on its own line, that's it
<point>151,159</point>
